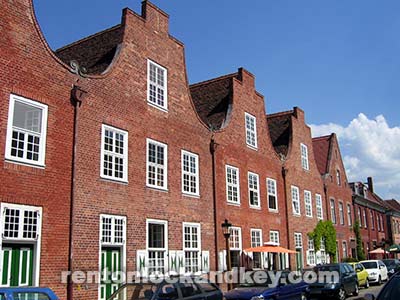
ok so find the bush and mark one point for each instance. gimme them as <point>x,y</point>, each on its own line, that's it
<point>349,259</point>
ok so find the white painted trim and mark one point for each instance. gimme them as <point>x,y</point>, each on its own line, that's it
<point>258,189</point>
<point>251,236</point>
<point>305,157</point>
<point>246,114</point>
<point>198,249</point>
<point>124,133</point>
<point>240,238</point>
<point>165,146</point>
<point>276,195</point>
<point>238,183</point>
<point>43,134</point>
<point>298,200</point>
<point>20,266</point>
<point>319,207</point>
<point>310,204</point>
<point>197,174</point>
<point>276,233</point>
<point>9,265</point>
<point>165,88</point>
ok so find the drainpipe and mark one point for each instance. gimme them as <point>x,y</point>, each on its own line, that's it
<point>77,95</point>
<point>213,148</point>
<point>284,173</point>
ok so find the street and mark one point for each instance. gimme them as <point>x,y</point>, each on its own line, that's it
<point>373,289</point>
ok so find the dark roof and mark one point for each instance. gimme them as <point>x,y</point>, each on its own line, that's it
<point>279,126</point>
<point>393,204</point>
<point>212,99</point>
<point>95,52</point>
<point>321,146</point>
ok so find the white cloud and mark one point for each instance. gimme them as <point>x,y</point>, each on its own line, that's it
<point>369,148</point>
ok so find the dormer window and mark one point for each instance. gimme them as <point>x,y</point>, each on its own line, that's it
<point>251,130</point>
<point>157,85</point>
<point>338,180</point>
<point>304,157</point>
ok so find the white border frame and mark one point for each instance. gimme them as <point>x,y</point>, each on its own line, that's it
<point>276,195</point>
<point>254,147</point>
<point>292,187</point>
<point>199,249</point>
<point>165,187</point>
<point>305,204</point>
<point>43,134</point>
<point>321,206</point>
<point>258,189</point>
<point>196,156</point>
<point>238,184</point>
<point>165,107</point>
<point>302,145</point>
<point>240,238</point>
<point>125,156</point>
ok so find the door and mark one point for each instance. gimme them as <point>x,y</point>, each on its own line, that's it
<point>17,265</point>
<point>299,259</point>
<point>111,268</point>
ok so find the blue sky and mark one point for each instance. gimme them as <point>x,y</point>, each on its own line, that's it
<point>334,59</point>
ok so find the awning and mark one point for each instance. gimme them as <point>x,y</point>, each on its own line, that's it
<point>394,248</point>
<point>270,249</point>
<point>378,251</point>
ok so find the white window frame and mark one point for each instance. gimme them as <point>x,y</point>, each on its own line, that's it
<point>269,193</point>
<point>308,203</point>
<point>165,166</point>
<point>189,173</point>
<point>237,185</point>
<point>311,255</point>
<point>319,207</point>
<point>254,190</point>
<point>338,178</point>
<point>253,237</point>
<point>341,213</point>
<point>37,242</point>
<point>304,157</point>
<point>113,154</point>
<point>349,217</point>
<point>333,210</point>
<point>165,249</point>
<point>113,241</point>
<point>250,132</point>
<point>372,220</point>
<point>294,200</point>
<point>231,242</point>
<point>345,250</point>
<point>274,237</point>
<point>164,88</point>
<point>192,249</point>
<point>298,240</point>
<point>365,217</point>
<point>43,132</point>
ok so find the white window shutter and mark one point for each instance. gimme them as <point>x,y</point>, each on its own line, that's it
<point>173,262</point>
<point>181,261</point>
<point>142,262</point>
<point>166,266</point>
<point>205,261</point>
<point>222,260</point>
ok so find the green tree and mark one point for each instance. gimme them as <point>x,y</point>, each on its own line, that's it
<point>360,250</point>
<point>326,232</point>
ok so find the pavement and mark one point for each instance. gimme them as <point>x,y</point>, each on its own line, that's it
<point>373,289</point>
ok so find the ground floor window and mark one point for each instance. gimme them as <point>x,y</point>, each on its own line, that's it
<point>191,246</point>
<point>157,245</point>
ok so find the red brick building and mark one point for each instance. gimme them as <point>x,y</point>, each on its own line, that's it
<point>337,192</point>
<point>370,211</point>
<point>36,136</point>
<point>303,185</point>
<point>393,222</point>
<point>248,181</point>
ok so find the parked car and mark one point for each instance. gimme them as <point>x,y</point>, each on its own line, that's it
<point>22,293</point>
<point>390,291</point>
<point>392,265</point>
<point>282,290</point>
<point>193,289</point>
<point>377,271</point>
<point>343,282</point>
<point>362,274</point>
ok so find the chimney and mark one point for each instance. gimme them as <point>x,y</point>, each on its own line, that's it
<point>155,17</point>
<point>370,184</point>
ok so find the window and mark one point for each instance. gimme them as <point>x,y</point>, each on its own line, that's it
<point>372,220</point>
<point>308,204</point>
<point>274,237</point>
<point>190,173</point>
<point>112,230</point>
<point>232,185</point>
<point>365,217</point>
<point>359,216</point>
<point>349,218</point>
<point>311,253</point>
<point>235,243</point>
<point>157,245</point>
<point>341,213</point>
<point>295,200</point>
<point>333,211</point>
<point>304,157</point>
<point>323,252</point>
<point>253,190</point>
<point>272,194</point>
<point>251,130</point>
<point>256,241</point>
<point>20,222</point>
<point>338,180</point>
<point>318,201</point>
<point>157,155</point>
<point>344,248</point>
<point>157,85</point>
<point>378,221</point>
<point>191,246</point>
<point>298,240</point>
<point>114,153</point>
<point>26,131</point>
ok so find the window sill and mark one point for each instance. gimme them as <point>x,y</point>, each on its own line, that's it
<point>108,179</point>
<point>163,109</point>
<point>155,188</point>
<point>255,207</point>
<point>310,217</point>
<point>274,211</point>
<point>196,196</point>
<point>233,203</point>
<point>24,163</point>
<point>297,215</point>
<point>252,147</point>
